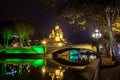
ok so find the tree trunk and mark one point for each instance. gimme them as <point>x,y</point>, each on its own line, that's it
<point>113,42</point>
<point>21,41</point>
<point>7,41</point>
<point>4,42</point>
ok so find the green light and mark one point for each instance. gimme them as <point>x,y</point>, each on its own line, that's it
<point>38,62</point>
<point>74,55</point>
<point>30,50</point>
<point>32,62</point>
<point>18,50</point>
<point>39,49</point>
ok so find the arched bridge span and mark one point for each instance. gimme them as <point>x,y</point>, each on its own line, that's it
<point>59,50</point>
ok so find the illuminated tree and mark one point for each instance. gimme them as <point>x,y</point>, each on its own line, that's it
<point>24,30</point>
<point>116,28</point>
<point>7,30</point>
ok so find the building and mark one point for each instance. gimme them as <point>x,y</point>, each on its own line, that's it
<point>56,37</point>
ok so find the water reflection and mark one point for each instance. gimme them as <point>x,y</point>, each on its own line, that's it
<point>75,57</point>
<point>67,65</point>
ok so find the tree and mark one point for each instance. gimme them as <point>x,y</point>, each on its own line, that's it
<point>116,29</point>
<point>7,31</point>
<point>24,30</point>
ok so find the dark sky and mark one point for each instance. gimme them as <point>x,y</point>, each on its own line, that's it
<point>43,19</point>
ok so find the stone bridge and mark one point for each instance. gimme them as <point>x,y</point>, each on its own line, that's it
<point>56,49</point>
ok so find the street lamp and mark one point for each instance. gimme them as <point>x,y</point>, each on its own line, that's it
<point>96,35</point>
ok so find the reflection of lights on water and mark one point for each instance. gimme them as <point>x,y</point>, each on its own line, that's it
<point>10,73</point>
<point>43,70</point>
<point>92,57</point>
<point>61,73</point>
<point>13,69</point>
<point>57,74</point>
<point>28,71</point>
<point>84,56</point>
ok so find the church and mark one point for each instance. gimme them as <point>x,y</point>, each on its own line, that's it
<point>56,37</point>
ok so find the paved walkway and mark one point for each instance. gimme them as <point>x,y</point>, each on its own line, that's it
<point>109,71</point>
<point>106,61</point>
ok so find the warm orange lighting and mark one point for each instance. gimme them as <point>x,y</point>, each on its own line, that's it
<point>60,44</point>
<point>44,42</point>
<point>14,45</point>
<point>43,70</point>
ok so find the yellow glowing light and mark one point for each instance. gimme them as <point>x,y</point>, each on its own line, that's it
<point>43,69</point>
<point>14,45</point>
<point>44,42</point>
<point>57,72</point>
<point>60,44</point>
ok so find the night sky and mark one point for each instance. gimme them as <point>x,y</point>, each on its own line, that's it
<point>43,19</point>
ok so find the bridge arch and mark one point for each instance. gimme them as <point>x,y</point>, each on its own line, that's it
<point>60,50</point>
<point>70,47</point>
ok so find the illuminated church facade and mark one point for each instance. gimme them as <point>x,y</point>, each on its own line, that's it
<point>56,37</point>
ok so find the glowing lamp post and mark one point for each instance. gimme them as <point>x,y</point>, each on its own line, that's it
<point>96,35</point>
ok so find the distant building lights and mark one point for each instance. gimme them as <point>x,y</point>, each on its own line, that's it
<point>60,44</point>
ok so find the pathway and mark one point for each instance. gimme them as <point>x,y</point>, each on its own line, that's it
<point>109,70</point>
